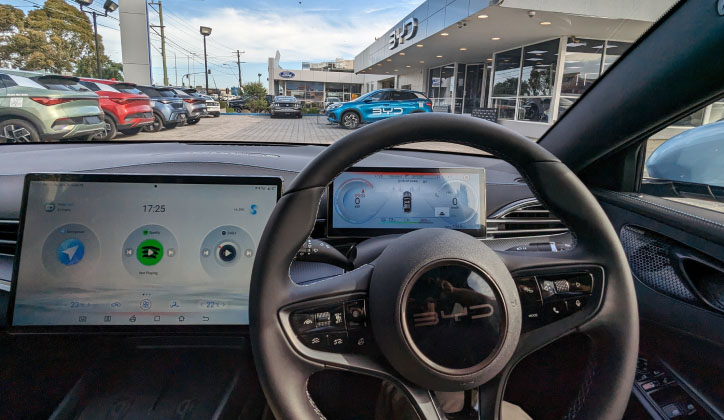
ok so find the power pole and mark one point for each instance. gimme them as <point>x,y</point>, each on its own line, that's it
<point>163,40</point>
<point>188,69</point>
<point>238,64</point>
<point>175,69</point>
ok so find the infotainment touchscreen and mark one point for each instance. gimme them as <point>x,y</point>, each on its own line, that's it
<point>367,201</point>
<point>135,250</point>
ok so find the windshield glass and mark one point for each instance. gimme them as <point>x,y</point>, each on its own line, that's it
<point>337,67</point>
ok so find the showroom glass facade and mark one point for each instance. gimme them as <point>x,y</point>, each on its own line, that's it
<point>456,87</point>
<point>526,80</point>
<point>316,93</point>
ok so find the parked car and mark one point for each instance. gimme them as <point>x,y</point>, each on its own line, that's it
<point>168,110</point>
<point>694,156</point>
<point>124,112</point>
<point>31,112</point>
<point>238,104</point>
<point>378,105</point>
<point>212,105</point>
<point>195,106</point>
<point>286,105</point>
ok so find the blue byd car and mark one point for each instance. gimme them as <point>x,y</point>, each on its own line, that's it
<point>378,105</point>
<point>695,156</point>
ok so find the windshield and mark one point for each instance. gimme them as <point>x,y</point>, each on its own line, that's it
<point>520,64</point>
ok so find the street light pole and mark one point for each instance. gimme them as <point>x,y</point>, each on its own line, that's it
<point>98,51</point>
<point>205,31</point>
<point>259,74</point>
<point>108,6</point>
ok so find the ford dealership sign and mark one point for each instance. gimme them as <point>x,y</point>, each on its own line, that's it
<point>286,74</point>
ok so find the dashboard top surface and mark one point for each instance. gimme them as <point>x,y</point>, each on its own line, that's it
<point>211,159</point>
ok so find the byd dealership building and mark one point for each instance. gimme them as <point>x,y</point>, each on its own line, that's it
<point>529,59</point>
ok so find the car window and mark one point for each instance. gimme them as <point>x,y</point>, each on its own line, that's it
<point>402,96</point>
<point>90,85</point>
<point>166,93</point>
<point>25,82</point>
<point>7,81</point>
<point>106,88</point>
<point>378,96</point>
<point>685,161</point>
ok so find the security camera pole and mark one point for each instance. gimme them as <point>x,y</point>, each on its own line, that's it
<point>108,6</point>
<point>205,31</point>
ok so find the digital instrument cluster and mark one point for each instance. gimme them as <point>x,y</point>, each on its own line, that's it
<point>122,250</point>
<point>369,201</point>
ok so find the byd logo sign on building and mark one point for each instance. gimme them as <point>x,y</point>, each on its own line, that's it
<point>405,33</point>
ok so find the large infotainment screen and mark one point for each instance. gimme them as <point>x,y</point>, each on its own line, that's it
<point>364,201</point>
<point>125,250</point>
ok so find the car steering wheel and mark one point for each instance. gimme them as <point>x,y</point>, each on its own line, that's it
<point>482,348</point>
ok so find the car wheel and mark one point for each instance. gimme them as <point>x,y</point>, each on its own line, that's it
<point>131,131</point>
<point>18,131</point>
<point>350,120</point>
<point>109,132</point>
<point>237,109</point>
<point>156,126</point>
<point>192,122</point>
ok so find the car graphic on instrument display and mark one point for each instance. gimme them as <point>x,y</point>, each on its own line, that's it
<point>378,105</point>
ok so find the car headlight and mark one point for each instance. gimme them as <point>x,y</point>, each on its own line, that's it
<point>333,107</point>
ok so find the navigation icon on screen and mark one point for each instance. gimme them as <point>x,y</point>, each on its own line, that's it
<point>70,251</point>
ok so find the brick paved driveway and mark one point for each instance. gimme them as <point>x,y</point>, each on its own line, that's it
<point>258,128</point>
<point>253,128</point>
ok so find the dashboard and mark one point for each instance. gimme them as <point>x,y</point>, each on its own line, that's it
<point>472,200</point>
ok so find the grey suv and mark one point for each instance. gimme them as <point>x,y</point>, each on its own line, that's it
<point>168,110</point>
<point>195,105</point>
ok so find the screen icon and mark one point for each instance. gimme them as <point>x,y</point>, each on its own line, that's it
<point>107,318</point>
<point>253,209</point>
<point>149,252</point>
<point>145,304</point>
<point>49,207</point>
<point>82,318</point>
<point>70,251</point>
<point>227,252</point>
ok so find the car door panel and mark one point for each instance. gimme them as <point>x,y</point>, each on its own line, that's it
<point>676,254</point>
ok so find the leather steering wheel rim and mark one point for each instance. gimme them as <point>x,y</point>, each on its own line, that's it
<point>284,368</point>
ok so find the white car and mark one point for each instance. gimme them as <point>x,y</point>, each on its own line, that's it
<point>213,108</point>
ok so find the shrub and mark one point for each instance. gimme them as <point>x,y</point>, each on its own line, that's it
<point>257,105</point>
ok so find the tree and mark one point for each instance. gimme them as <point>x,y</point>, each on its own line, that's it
<point>56,37</point>
<point>255,90</point>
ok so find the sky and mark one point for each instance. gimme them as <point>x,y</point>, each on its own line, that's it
<point>307,30</point>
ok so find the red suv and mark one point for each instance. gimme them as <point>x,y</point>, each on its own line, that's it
<point>125,112</point>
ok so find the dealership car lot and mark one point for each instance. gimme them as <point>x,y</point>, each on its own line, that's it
<point>261,128</point>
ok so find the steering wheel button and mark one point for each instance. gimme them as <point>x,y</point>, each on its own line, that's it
<point>356,314</point>
<point>555,310</point>
<point>548,289</point>
<point>528,291</point>
<point>315,341</point>
<point>337,342</point>
<point>576,304</point>
<point>302,323</point>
